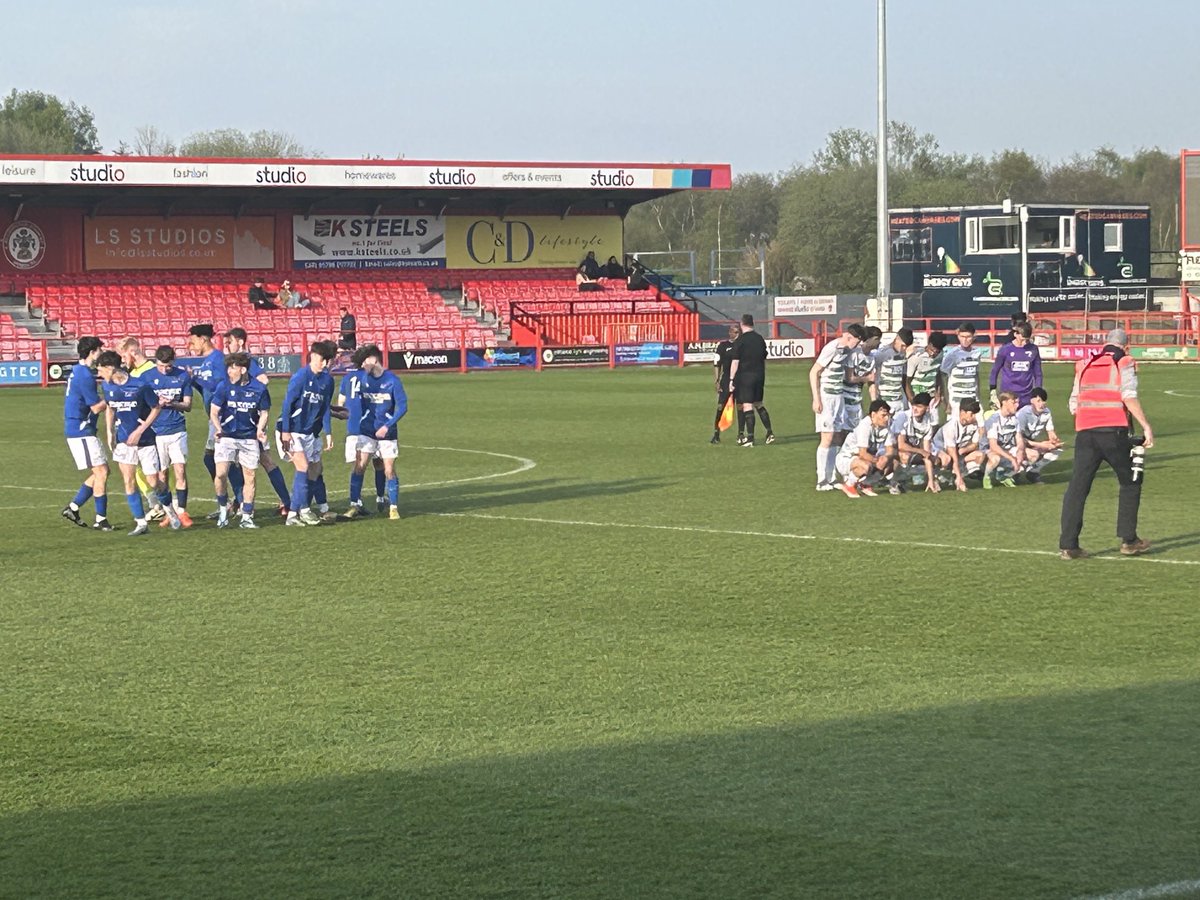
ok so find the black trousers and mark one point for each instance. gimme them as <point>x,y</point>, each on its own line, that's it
<point>1092,447</point>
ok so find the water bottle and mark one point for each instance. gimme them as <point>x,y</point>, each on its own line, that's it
<point>1137,460</point>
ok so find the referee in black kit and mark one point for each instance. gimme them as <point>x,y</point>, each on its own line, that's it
<point>747,373</point>
<point>721,368</point>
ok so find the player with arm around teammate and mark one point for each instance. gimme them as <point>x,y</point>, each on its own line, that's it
<point>825,380</point>
<point>958,444</point>
<point>385,404</point>
<point>237,341</point>
<point>925,373</point>
<point>1042,445</point>
<point>960,364</point>
<point>860,374</point>
<point>350,398</point>
<point>914,429</point>
<point>869,452</point>
<point>82,405</point>
<point>239,412</point>
<point>304,415</point>
<point>173,388</point>
<point>132,408</point>
<point>891,371</point>
<point>1005,443</point>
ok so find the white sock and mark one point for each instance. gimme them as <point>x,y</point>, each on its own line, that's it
<point>822,468</point>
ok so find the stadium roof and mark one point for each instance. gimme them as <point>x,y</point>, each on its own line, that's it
<point>111,183</point>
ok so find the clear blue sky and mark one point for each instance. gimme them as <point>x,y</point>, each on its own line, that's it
<point>758,85</point>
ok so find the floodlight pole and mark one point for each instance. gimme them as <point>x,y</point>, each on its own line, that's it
<point>882,244</point>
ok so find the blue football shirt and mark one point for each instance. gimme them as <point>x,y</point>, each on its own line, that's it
<point>173,385</point>
<point>240,406</point>
<point>81,396</point>
<point>306,402</point>
<point>131,404</point>
<point>385,404</point>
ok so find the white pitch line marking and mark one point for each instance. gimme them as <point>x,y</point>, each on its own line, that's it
<point>524,465</point>
<point>699,529</point>
<point>1174,889</point>
<point>1182,395</point>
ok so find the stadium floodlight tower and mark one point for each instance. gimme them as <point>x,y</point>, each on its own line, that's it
<point>882,244</point>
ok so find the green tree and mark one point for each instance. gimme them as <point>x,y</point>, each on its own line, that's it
<point>33,122</point>
<point>232,143</point>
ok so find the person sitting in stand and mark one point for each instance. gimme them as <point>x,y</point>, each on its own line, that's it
<point>585,282</point>
<point>590,266</point>
<point>290,297</point>
<point>613,269</point>
<point>637,277</point>
<point>260,297</point>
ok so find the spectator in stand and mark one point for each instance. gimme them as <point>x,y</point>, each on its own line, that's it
<point>260,297</point>
<point>290,297</point>
<point>348,330</point>
<point>613,269</point>
<point>591,266</point>
<point>637,277</point>
<point>585,282</point>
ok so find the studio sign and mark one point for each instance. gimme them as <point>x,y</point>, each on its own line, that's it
<point>107,173</point>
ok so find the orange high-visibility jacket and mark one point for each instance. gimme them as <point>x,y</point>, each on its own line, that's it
<point>1099,402</point>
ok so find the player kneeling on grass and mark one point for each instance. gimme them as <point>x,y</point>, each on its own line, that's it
<point>1005,445</point>
<point>1042,445</point>
<point>868,454</point>
<point>307,409</point>
<point>384,405</point>
<point>914,429</point>
<point>239,411</point>
<point>131,410</point>
<point>958,443</point>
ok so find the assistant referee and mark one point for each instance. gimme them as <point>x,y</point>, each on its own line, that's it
<point>748,374</point>
<point>1103,400</point>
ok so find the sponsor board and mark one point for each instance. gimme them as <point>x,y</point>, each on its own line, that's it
<point>645,354</point>
<point>122,171</point>
<point>806,306</point>
<point>424,360</point>
<point>700,351</point>
<point>1175,353</point>
<point>58,373</point>
<point>582,355</point>
<point>1079,351</point>
<point>273,365</point>
<point>21,372</point>
<point>1189,264</point>
<point>502,358</point>
<point>791,348</point>
<point>936,281</point>
<point>484,242</point>
<point>178,242</point>
<point>368,242</point>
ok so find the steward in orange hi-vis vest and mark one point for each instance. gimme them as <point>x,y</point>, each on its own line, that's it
<point>1104,400</point>
<point>1099,403</point>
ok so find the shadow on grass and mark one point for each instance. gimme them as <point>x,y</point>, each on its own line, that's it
<point>1051,797</point>
<point>493,495</point>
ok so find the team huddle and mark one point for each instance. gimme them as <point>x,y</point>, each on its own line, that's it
<point>901,440</point>
<point>145,403</point>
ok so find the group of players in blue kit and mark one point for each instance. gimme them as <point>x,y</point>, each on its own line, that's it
<point>901,440</point>
<point>145,403</point>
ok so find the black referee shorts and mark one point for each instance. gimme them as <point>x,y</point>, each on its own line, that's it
<point>749,388</point>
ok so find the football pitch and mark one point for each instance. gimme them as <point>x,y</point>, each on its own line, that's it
<point>599,657</point>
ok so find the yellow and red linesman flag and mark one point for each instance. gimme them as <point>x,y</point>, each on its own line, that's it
<point>726,415</point>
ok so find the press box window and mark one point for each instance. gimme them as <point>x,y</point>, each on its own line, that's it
<point>1056,233</point>
<point>1114,237</point>
<point>993,234</point>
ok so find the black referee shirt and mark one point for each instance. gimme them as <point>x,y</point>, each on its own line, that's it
<point>750,350</point>
<point>724,360</point>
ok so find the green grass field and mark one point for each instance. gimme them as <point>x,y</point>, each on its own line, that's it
<point>643,667</point>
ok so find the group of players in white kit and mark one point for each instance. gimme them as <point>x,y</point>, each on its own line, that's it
<point>901,440</point>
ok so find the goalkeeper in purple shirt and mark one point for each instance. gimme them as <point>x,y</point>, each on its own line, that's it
<point>1017,367</point>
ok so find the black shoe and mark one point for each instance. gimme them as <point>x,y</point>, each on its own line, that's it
<point>102,525</point>
<point>716,438</point>
<point>72,515</point>
<point>1034,477</point>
